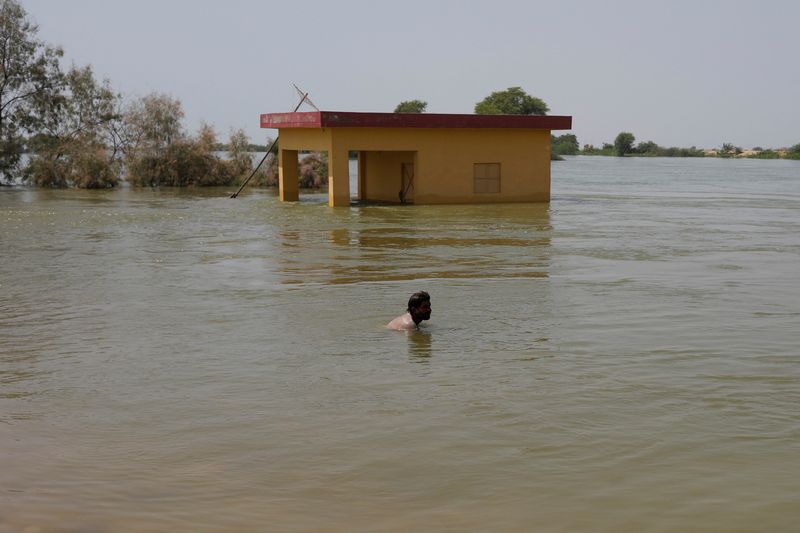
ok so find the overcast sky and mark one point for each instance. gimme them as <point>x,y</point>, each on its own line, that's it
<point>679,73</point>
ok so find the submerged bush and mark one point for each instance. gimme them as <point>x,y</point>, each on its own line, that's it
<point>267,175</point>
<point>47,172</point>
<point>187,162</point>
<point>80,165</point>
<point>314,171</point>
<point>93,169</point>
<point>183,164</point>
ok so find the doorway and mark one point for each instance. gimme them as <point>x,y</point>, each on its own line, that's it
<point>406,183</point>
<point>386,176</point>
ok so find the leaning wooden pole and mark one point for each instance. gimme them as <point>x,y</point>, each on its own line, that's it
<point>271,146</point>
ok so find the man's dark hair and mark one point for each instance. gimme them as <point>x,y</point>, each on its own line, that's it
<point>417,299</point>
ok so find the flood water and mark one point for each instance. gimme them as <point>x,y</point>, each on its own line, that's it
<point>625,358</point>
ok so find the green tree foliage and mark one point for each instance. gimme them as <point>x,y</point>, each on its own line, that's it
<point>623,144</point>
<point>765,154</point>
<point>729,150</point>
<point>566,144</point>
<point>29,70</point>
<point>70,150</point>
<point>411,106</point>
<point>674,151</point>
<point>793,152</point>
<point>512,101</point>
<point>590,149</point>
<point>647,148</point>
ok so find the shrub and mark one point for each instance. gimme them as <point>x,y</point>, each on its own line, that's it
<point>314,171</point>
<point>85,166</point>
<point>648,148</point>
<point>52,172</point>
<point>765,154</point>
<point>566,144</point>
<point>267,175</point>
<point>93,169</point>
<point>184,163</point>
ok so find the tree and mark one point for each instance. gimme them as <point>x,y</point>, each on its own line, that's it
<point>240,159</point>
<point>512,101</point>
<point>166,156</point>
<point>566,144</point>
<point>411,106</point>
<point>29,70</point>
<point>729,150</point>
<point>153,123</point>
<point>69,148</point>
<point>623,144</point>
<point>120,135</point>
<point>648,147</point>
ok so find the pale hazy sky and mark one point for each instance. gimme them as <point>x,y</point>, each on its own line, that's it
<point>679,73</point>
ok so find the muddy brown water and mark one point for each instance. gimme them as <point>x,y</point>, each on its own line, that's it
<point>623,359</point>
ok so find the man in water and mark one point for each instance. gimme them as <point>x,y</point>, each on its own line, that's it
<point>419,309</point>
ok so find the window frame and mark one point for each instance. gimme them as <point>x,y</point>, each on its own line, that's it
<point>486,178</point>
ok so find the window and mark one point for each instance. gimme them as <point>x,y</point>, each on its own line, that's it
<point>487,177</point>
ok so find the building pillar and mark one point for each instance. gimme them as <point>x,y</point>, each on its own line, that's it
<point>362,175</point>
<point>288,177</point>
<point>338,177</point>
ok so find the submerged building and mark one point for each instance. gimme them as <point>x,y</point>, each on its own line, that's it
<point>421,158</point>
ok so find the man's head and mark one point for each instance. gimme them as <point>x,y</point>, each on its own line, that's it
<point>419,306</point>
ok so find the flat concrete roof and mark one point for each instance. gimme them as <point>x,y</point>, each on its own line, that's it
<point>339,119</point>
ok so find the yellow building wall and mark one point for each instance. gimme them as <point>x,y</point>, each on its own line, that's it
<point>318,140</point>
<point>444,162</point>
<point>382,180</point>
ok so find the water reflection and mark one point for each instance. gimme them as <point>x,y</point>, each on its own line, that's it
<point>290,239</point>
<point>419,346</point>
<point>395,238</point>
<point>389,243</point>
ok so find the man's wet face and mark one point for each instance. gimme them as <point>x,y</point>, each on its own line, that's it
<point>423,312</point>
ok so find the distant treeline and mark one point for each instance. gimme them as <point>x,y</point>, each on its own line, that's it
<point>625,145</point>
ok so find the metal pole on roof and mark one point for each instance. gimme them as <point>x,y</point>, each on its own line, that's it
<point>271,146</point>
<point>304,97</point>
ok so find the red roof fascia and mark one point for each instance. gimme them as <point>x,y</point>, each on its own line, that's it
<point>335,119</point>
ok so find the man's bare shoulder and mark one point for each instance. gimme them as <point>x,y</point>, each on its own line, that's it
<point>403,322</point>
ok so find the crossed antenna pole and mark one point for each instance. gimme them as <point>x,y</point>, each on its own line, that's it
<point>303,99</point>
